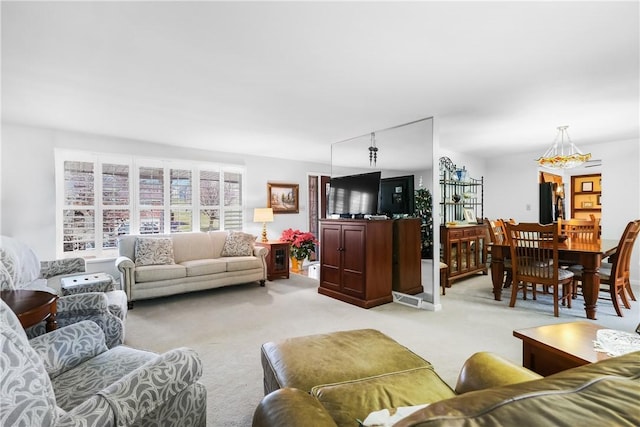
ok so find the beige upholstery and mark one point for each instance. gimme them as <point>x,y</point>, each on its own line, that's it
<point>198,266</point>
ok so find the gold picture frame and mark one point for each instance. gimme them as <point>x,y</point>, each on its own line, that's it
<point>283,198</point>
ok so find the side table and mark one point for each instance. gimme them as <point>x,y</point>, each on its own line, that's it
<point>91,282</point>
<point>277,259</point>
<point>32,307</point>
<point>550,349</point>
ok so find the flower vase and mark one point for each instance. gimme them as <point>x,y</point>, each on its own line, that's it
<point>296,264</point>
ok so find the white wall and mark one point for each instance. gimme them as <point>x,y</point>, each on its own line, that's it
<point>27,197</point>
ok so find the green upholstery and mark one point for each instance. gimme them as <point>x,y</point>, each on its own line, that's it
<point>339,378</point>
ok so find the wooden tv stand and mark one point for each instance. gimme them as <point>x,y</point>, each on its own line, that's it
<point>357,260</point>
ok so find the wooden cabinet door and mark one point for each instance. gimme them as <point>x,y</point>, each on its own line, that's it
<point>330,256</point>
<point>353,260</point>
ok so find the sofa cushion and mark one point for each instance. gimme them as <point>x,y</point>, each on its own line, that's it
<point>242,263</point>
<point>355,400</point>
<point>77,385</point>
<point>202,267</point>
<point>153,251</point>
<point>192,246</point>
<point>238,244</point>
<point>305,362</point>
<point>152,273</point>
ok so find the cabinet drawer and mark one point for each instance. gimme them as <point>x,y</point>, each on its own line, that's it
<point>475,232</point>
<point>456,234</point>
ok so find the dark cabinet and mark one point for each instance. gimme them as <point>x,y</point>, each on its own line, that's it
<point>407,256</point>
<point>356,261</point>
<point>277,259</point>
<point>464,250</point>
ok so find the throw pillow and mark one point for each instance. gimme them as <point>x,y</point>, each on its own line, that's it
<point>238,244</point>
<point>153,251</point>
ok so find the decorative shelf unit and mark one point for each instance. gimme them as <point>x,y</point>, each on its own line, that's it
<point>586,191</point>
<point>459,192</point>
<point>463,236</point>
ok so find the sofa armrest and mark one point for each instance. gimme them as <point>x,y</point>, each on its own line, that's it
<point>67,347</point>
<point>291,407</point>
<point>143,390</point>
<point>484,370</point>
<point>58,267</point>
<point>260,251</point>
<point>127,277</point>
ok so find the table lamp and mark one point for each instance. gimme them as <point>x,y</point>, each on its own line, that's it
<point>263,215</point>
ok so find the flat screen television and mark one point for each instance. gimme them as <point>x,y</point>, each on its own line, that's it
<point>397,196</point>
<point>354,195</point>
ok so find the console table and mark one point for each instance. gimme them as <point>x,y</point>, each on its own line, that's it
<point>32,307</point>
<point>553,348</point>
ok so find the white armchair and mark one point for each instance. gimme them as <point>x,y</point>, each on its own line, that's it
<point>68,377</point>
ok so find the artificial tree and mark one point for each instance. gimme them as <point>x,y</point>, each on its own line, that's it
<point>424,210</point>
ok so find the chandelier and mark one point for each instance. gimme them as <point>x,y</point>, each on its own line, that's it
<point>556,158</point>
<point>373,150</point>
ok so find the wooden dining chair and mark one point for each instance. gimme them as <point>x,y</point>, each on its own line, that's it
<point>498,235</point>
<point>534,260</point>
<point>580,230</point>
<point>615,279</point>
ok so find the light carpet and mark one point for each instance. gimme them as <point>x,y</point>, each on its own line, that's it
<point>226,327</point>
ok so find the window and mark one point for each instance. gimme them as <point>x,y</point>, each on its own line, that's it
<point>100,197</point>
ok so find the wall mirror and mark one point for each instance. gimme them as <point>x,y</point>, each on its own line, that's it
<point>406,149</point>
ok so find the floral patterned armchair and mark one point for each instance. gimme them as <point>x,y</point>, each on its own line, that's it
<point>21,269</point>
<point>68,377</point>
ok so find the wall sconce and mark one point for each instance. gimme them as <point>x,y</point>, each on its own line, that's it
<point>263,215</point>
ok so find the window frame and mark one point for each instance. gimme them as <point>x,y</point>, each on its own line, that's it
<point>134,163</point>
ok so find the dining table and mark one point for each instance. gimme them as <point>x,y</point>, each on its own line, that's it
<point>587,254</point>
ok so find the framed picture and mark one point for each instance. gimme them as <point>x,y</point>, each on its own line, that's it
<point>587,186</point>
<point>598,202</point>
<point>470,216</point>
<point>587,204</point>
<point>283,198</point>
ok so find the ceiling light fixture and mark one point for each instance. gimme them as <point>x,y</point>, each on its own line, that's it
<point>555,157</point>
<point>373,150</point>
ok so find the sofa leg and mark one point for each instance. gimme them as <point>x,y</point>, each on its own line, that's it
<point>262,282</point>
<point>130,305</point>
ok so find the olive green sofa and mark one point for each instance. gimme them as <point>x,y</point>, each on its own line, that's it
<point>338,379</point>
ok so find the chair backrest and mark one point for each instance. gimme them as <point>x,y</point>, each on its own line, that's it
<point>622,260</point>
<point>534,252</point>
<point>497,231</point>
<point>580,230</point>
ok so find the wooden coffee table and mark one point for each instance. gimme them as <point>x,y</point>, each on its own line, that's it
<point>32,307</point>
<point>553,348</point>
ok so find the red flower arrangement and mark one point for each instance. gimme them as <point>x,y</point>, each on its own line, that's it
<point>301,244</point>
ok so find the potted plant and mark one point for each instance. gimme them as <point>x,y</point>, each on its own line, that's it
<point>301,245</point>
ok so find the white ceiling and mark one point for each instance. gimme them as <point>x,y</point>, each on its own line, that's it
<point>263,77</point>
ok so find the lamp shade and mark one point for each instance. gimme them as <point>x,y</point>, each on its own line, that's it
<point>263,215</point>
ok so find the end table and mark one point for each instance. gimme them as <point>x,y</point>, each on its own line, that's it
<point>277,259</point>
<point>32,307</point>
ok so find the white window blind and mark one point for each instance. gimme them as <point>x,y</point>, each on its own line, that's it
<point>100,197</point>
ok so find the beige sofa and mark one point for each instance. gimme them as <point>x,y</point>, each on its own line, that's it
<point>197,262</point>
